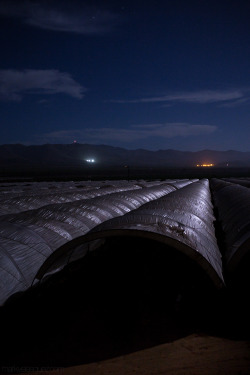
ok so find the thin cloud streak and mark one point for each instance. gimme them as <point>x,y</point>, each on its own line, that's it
<point>198,97</point>
<point>59,16</point>
<point>14,84</point>
<point>135,133</point>
<point>235,103</point>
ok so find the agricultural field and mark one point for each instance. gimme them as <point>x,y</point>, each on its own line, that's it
<point>92,270</point>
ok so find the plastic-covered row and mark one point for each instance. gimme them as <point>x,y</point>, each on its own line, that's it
<point>240,181</point>
<point>232,202</point>
<point>34,200</point>
<point>182,220</point>
<point>29,238</point>
<point>19,200</point>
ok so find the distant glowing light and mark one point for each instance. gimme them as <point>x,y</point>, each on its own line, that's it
<point>205,165</point>
<point>90,160</point>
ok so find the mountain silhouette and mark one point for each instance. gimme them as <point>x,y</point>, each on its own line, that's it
<point>76,154</point>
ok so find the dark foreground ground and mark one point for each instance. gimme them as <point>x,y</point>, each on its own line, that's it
<point>124,311</point>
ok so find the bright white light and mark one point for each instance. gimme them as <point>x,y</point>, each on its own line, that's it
<point>90,160</point>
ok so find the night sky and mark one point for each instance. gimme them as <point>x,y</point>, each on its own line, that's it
<point>134,74</point>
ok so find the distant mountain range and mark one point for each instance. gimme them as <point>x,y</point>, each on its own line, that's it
<point>15,155</point>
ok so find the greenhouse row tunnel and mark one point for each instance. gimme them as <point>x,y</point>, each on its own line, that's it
<point>182,219</point>
<point>30,237</point>
<point>232,205</point>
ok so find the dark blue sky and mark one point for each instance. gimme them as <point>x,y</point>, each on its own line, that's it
<point>134,74</point>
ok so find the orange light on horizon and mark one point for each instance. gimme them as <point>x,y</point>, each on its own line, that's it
<point>205,165</point>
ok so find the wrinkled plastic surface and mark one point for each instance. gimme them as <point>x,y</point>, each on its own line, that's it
<point>232,202</point>
<point>183,219</point>
<point>239,181</point>
<point>18,202</point>
<point>29,238</point>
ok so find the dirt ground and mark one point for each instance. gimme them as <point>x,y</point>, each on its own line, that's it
<point>192,355</point>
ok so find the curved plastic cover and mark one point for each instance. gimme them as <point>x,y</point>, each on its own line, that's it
<point>233,205</point>
<point>183,219</point>
<point>239,181</point>
<point>29,200</point>
<point>29,238</point>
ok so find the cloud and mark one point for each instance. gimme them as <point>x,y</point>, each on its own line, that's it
<point>75,17</point>
<point>134,133</point>
<point>198,97</point>
<point>15,83</point>
<point>235,103</point>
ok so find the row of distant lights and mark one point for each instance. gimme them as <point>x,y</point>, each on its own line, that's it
<point>90,160</point>
<point>204,165</point>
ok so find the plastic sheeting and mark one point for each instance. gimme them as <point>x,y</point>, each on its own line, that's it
<point>232,202</point>
<point>182,220</point>
<point>36,199</point>
<point>20,197</point>
<point>29,238</point>
<point>240,181</point>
